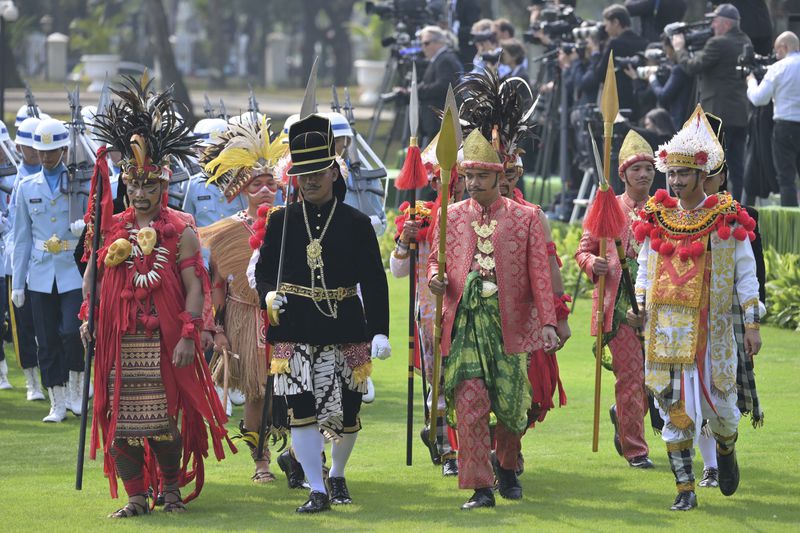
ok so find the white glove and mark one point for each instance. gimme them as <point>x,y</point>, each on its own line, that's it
<point>278,302</point>
<point>77,227</point>
<point>381,349</point>
<point>18,297</point>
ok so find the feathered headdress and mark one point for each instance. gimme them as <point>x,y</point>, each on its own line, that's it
<point>146,129</point>
<point>244,152</point>
<point>502,111</point>
<point>695,146</point>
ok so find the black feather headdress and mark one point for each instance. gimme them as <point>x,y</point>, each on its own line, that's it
<point>501,110</point>
<point>144,126</point>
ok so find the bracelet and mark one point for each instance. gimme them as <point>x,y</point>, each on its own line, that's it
<point>219,329</point>
<point>752,325</point>
<point>191,325</point>
<point>560,303</point>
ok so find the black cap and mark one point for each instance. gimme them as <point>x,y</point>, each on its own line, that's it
<point>311,145</point>
<point>716,125</point>
<point>728,11</point>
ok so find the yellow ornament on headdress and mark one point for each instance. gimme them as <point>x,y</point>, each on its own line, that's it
<point>479,153</point>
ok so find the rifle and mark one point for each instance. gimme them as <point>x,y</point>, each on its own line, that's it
<point>207,109</point>
<point>335,107</point>
<point>223,113</point>
<point>33,109</point>
<point>79,173</point>
<point>252,105</point>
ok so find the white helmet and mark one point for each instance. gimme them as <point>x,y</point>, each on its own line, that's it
<point>208,130</point>
<point>4,132</point>
<point>247,117</point>
<point>288,124</point>
<point>25,131</point>
<point>88,113</point>
<point>339,125</point>
<point>22,114</point>
<point>51,134</point>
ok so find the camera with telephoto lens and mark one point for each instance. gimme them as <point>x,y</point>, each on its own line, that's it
<point>749,62</point>
<point>658,64</point>
<point>413,13</point>
<point>589,29</point>
<point>555,21</point>
<point>696,34</point>
<point>635,61</point>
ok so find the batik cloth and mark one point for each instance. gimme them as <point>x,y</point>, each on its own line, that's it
<point>142,398</point>
<point>477,352</point>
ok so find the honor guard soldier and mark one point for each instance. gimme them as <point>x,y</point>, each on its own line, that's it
<point>43,242</point>
<point>21,318</point>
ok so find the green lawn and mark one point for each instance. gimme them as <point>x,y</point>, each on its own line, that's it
<point>567,487</point>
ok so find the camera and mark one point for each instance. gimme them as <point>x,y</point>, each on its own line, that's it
<point>749,62</point>
<point>493,57</point>
<point>555,21</point>
<point>414,13</point>
<point>588,30</point>
<point>635,61</point>
<point>696,34</point>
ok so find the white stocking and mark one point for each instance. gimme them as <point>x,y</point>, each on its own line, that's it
<point>341,453</point>
<point>308,444</point>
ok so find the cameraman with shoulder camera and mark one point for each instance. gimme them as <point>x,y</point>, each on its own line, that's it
<point>780,85</point>
<point>723,92</point>
<point>624,43</point>
<point>673,91</point>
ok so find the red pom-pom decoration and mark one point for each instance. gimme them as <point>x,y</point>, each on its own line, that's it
<point>168,231</point>
<point>684,253</point>
<point>255,242</point>
<point>700,158</point>
<point>667,249</point>
<point>640,232</point>
<point>670,202</point>
<point>263,210</point>
<point>730,218</point>
<point>742,217</point>
<point>259,224</point>
<point>654,233</point>
<point>151,323</point>
<point>662,154</point>
<point>655,244</point>
<point>141,293</point>
<point>697,249</point>
<point>126,294</point>
<point>740,233</point>
<point>751,235</point>
<point>405,205</point>
<point>661,195</point>
<point>724,232</point>
<point>711,201</point>
<point>750,225</point>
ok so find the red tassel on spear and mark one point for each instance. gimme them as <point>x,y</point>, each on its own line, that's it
<point>604,220</point>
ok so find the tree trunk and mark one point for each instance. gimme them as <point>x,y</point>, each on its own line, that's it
<point>219,50</point>
<point>340,13</point>
<point>310,37</point>
<point>170,75</point>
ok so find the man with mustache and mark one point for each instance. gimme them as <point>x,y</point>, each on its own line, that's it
<point>493,317</point>
<point>636,170</point>
<point>695,254</point>
<point>241,165</point>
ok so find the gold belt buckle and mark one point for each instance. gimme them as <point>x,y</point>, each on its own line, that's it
<point>54,245</point>
<point>341,292</point>
<point>317,294</point>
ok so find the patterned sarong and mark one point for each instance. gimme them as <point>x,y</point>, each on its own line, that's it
<point>142,399</point>
<point>477,352</point>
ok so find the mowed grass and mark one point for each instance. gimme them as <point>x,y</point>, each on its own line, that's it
<point>567,487</point>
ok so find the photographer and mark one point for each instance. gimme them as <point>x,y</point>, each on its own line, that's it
<point>443,70</point>
<point>513,58</point>
<point>674,91</point>
<point>487,50</point>
<point>780,85</point>
<point>624,43</point>
<point>723,92</point>
<point>655,14</point>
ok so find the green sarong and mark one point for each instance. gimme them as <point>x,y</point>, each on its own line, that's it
<point>477,352</point>
<point>620,315</point>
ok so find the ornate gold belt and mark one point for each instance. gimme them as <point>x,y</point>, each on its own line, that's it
<point>318,294</point>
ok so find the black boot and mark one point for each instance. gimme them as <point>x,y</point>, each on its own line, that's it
<point>508,484</point>
<point>317,502</point>
<point>450,467</point>
<point>295,476</point>
<point>425,435</point>
<point>728,472</point>
<point>684,501</point>
<point>481,498</point>
<point>339,493</point>
<point>617,443</point>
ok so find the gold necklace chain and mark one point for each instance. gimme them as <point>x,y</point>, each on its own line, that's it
<point>314,259</point>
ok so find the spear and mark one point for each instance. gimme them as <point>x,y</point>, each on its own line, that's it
<point>412,177</point>
<point>603,221</point>
<point>446,152</point>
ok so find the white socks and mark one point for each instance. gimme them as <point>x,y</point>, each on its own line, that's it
<point>308,445</point>
<point>340,452</point>
<point>708,449</point>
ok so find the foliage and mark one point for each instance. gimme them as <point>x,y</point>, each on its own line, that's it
<point>386,241</point>
<point>100,32</point>
<point>783,289</point>
<point>780,228</point>
<point>567,237</point>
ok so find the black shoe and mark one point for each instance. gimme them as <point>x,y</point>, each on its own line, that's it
<point>617,442</point>
<point>684,501</point>
<point>508,484</point>
<point>339,493</point>
<point>520,465</point>
<point>728,473</point>
<point>642,462</point>
<point>290,466</point>
<point>481,498</point>
<point>710,477</point>
<point>450,467</point>
<point>317,502</point>
<point>425,435</point>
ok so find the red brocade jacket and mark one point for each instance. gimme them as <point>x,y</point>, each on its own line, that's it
<point>125,307</point>
<point>525,291</point>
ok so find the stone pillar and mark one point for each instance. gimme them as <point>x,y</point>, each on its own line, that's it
<point>57,48</point>
<point>276,66</point>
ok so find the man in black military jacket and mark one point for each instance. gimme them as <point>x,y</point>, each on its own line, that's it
<point>323,337</point>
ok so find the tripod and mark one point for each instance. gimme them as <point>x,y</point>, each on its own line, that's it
<point>398,66</point>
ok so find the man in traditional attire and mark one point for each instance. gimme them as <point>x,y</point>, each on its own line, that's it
<point>696,254</point>
<point>323,337</point>
<point>154,397</point>
<point>241,165</point>
<point>495,253</point>
<point>636,170</point>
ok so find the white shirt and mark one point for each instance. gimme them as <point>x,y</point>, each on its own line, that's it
<point>781,84</point>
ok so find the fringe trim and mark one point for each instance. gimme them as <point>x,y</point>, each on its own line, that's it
<point>279,366</point>
<point>723,395</point>
<point>361,372</point>
<point>682,433</point>
<point>681,445</point>
<point>657,366</point>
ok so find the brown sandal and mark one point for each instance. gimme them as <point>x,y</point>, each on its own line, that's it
<point>132,508</point>
<point>175,506</point>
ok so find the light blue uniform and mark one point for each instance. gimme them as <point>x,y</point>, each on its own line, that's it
<point>207,204</point>
<point>23,172</point>
<point>41,214</point>
<point>367,197</point>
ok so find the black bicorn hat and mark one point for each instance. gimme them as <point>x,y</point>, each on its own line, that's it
<point>716,125</point>
<point>311,145</point>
